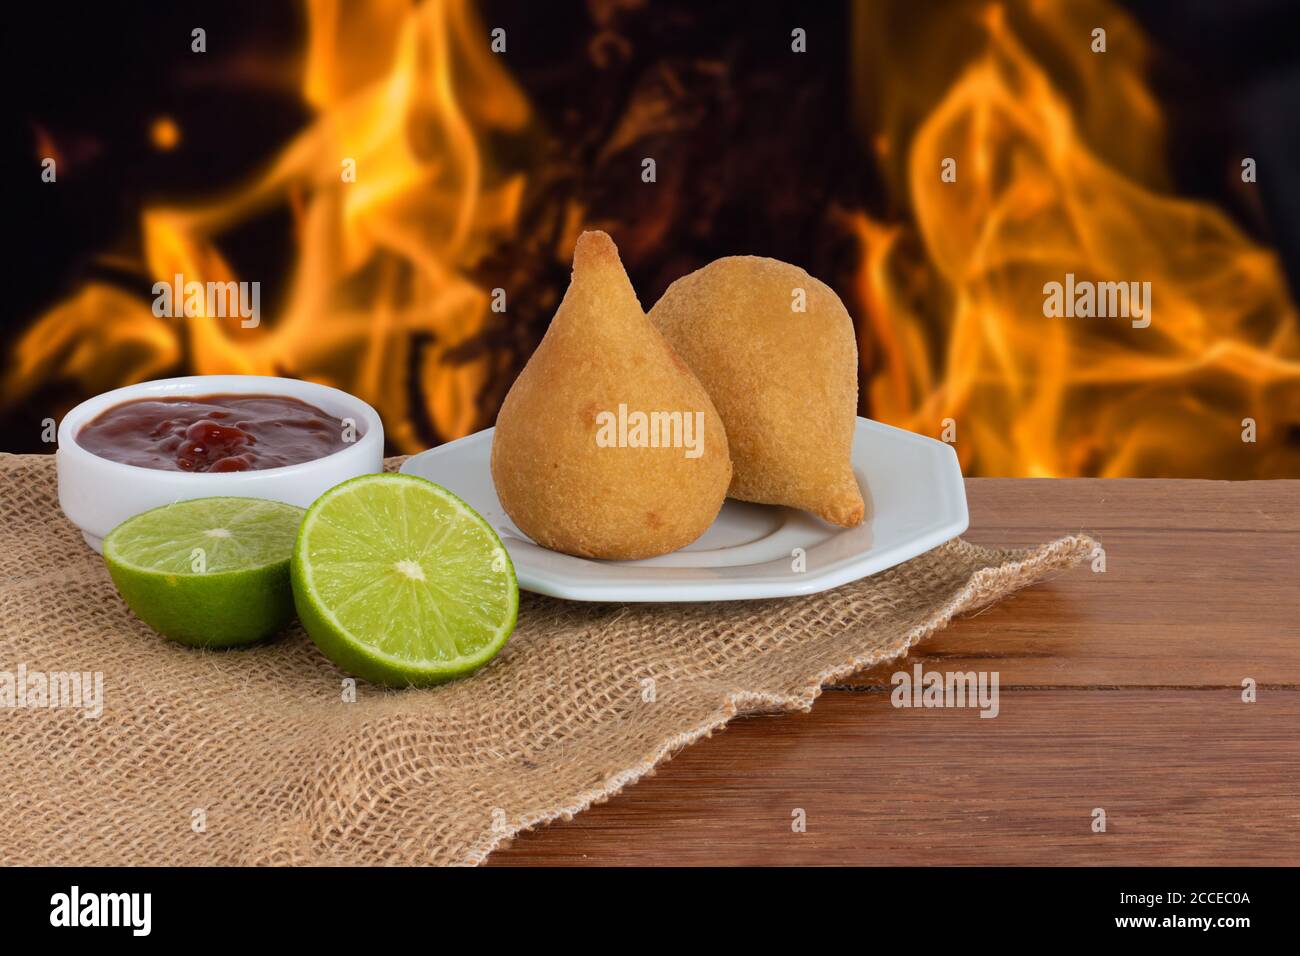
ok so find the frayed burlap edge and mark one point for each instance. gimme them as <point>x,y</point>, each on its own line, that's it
<point>394,760</point>
<point>985,587</point>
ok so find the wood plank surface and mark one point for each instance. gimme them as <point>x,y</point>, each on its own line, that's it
<point>1119,690</point>
<point>1184,777</point>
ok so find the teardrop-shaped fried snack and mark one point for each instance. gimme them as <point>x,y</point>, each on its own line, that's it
<point>607,446</point>
<point>785,381</point>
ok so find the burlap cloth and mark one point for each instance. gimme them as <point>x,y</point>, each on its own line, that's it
<point>253,756</point>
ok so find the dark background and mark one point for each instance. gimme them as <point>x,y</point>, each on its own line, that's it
<point>92,78</point>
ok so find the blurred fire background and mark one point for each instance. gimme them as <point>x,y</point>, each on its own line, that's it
<point>476,170</point>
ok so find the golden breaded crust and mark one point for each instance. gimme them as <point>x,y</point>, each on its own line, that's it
<point>562,488</point>
<point>785,382</point>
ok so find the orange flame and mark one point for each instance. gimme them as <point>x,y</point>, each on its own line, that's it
<point>1059,171</point>
<point>403,98</point>
<point>1045,186</point>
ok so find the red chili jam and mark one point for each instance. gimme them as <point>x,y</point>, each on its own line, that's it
<point>215,433</point>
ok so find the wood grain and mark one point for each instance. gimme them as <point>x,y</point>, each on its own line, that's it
<point>1184,777</point>
<point>1119,690</point>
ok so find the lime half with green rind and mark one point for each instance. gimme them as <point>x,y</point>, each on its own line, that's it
<point>209,572</point>
<point>399,581</point>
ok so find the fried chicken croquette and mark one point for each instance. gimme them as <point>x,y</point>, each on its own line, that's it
<point>775,350</point>
<point>607,446</point>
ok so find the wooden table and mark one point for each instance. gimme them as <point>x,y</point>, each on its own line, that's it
<point>1120,690</point>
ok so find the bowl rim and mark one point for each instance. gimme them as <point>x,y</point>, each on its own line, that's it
<point>72,421</point>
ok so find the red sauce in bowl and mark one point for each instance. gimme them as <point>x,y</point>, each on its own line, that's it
<point>215,433</point>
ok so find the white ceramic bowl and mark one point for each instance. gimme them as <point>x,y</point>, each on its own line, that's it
<point>98,494</point>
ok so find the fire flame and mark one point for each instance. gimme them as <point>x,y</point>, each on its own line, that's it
<point>380,291</point>
<point>1059,171</point>
<point>955,325</point>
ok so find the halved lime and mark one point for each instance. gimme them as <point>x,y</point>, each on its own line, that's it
<point>399,581</point>
<point>211,572</point>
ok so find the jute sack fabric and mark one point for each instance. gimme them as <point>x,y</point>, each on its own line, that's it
<point>255,757</point>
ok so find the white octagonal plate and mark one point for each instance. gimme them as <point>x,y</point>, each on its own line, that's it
<point>915,501</point>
